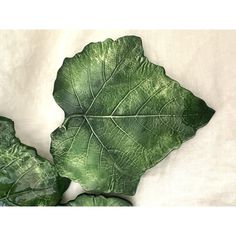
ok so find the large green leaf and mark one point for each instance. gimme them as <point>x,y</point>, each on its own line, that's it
<point>123,115</point>
<point>26,179</point>
<point>92,200</point>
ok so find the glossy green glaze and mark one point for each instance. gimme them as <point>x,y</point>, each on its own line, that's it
<point>26,179</point>
<point>99,200</point>
<point>123,115</point>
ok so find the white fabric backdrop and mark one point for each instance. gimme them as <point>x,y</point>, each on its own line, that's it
<point>202,172</point>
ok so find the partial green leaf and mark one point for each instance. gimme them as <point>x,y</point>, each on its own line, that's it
<point>99,200</point>
<point>123,115</point>
<point>26,179</point>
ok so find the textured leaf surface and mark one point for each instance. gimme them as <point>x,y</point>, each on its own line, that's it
<point>26,179</point>
<point>92,200</point>
<point>122,116</point>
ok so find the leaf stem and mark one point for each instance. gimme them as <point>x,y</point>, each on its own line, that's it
<point>69,117</point>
